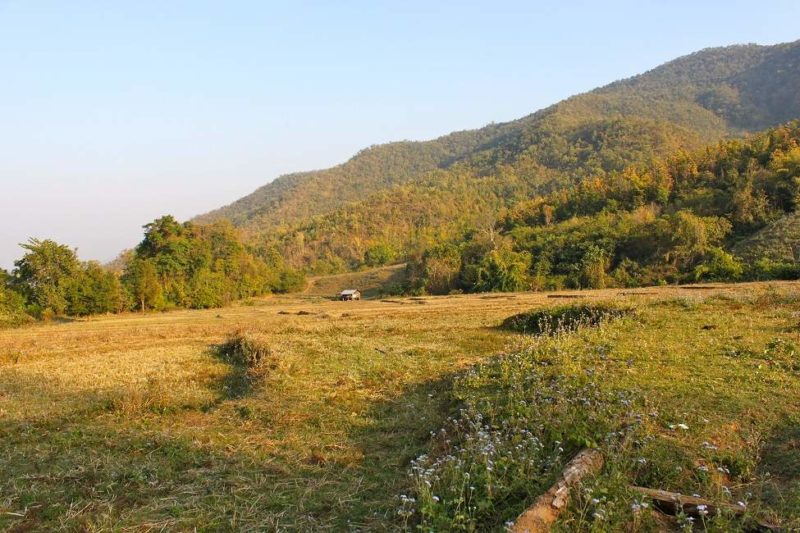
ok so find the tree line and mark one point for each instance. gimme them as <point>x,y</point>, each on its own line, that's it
<point>176,265</point>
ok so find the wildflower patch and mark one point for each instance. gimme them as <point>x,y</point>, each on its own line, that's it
<point>522,420</point>
<point>564,319</point>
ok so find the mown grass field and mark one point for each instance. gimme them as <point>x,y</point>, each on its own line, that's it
<point>133,422</point>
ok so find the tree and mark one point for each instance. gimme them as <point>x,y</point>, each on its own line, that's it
<point>12,304</point>
<point>94,290</point>
<point>718,265</point>
<point>502,270</point>
<point>141,279</point>
<point>692,236</point>
<point>594,266</point>
<point>44,274</point>
<point>440,267</point>
<point>379,254</point>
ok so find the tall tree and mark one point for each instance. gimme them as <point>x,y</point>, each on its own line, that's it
<point>141,279</point>
<point>43,275</point>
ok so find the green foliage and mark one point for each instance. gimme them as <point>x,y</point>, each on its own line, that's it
<point>521,420</point>
<point>44,275</point>
<point>594,267</point>
<point>765,269</point>
<point>94,290</point>
<point>499,270</point>
<point>438,270</point>
<point>175,265</point>
<point>187,265</point>
<point>719,265</point>
<point>12,304</point>
<point>379,254</point>
<point>141,279</point>
<point>678,219</point>
<point>53,281</point>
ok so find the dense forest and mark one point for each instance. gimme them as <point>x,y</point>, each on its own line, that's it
<point>677,219</point>
<point>393,201</point>
<point>176,265</point>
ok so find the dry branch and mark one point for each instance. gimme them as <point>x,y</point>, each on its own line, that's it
<point>540,516</point>
<point>674,503</point>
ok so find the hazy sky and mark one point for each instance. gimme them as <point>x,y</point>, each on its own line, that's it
<point>114,113</point>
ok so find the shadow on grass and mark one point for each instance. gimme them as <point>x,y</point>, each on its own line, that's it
<point>79,474</point>
<point>153,469</point>
<point>239,382</point>
<point>780,468</point>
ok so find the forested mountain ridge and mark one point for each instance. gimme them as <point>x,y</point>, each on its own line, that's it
<point>392,200</point>
<point>304,194</point>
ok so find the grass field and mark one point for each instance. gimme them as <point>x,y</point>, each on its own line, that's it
<point>134,422</point>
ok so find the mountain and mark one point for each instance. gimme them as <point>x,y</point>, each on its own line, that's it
<point>390,201</point>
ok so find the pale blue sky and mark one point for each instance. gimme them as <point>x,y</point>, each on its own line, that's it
<point>114,113</point>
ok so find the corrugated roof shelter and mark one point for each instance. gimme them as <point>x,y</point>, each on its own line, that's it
<point>350,294</point>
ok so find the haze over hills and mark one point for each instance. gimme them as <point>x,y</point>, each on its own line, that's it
<point>395,199</point>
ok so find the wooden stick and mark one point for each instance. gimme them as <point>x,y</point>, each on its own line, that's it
<point>674,503</point>
<point>540,516</point>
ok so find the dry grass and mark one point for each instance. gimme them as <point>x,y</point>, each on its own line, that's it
<point>129,421</point>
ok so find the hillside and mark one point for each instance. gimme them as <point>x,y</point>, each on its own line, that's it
<point>372,283</point>
<point>685,218</point>
<point>406,195</point>
<point>778,241</point>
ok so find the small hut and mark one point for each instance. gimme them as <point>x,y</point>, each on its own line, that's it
<point>349,295</point>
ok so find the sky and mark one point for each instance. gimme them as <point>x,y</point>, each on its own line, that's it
<point>115,113</point>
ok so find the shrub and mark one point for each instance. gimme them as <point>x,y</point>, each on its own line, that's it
<point>12,308</point>
<point>564,318</point>
<point>765,269</point>
<point>718,265</point>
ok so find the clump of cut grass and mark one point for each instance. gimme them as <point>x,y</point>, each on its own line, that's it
<point>250,357</point>
<point>681,302</point>
<point>565,318</point>
<point>245,349</point>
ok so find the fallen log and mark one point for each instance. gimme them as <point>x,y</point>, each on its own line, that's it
<point>540,516</point>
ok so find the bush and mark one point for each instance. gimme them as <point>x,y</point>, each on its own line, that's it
<point>766,269</point>
<point>564,318</point>
<point>245,349</point>
<point>12,308</point>
<point>379,254</point>
<point>718,265</point>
